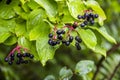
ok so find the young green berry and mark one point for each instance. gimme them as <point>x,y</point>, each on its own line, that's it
<point>50,35</point>
<point>77,38</point>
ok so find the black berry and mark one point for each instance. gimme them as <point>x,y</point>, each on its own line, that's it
<point>67,43</point>
<point>82,25</point>
<point>60,37</point>
<point>6,59</point>
<point>96,16</point>
<point>50,35</point>
<point>92,22</point>
<point>79,17</point>
<point>63,32</point>
<point>77,38</point>
<point>10,62</point>
<point>19,55</point>
<point>59,32</point>
<point>70,38</point>
<point>77,46</point>
<point>8,1</point>
<point>85,22</point>
<point>12,55</point>
<point>31,56</point>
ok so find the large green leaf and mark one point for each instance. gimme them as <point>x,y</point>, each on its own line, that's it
<point>34,18</point>
<point>49,5</point>
<point>4,36</point>
<point>25,43</point>
<point>84,67</point>
<point>45,51</point>
<point>96,7</point>
<point>76,7</point>
<point>104,33</point>
<point>88,38</point>
<point>6,11</point>
<point>65,74</point>
<point>11,40</point>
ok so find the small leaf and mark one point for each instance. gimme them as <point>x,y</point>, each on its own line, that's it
<point>4,36</point>
<point>76,7</point>
<point>11,40</point>
<point>65,74</point>
<point>88,38</point>
<point>98,10</point>
<point>49,5</point>
<point>104,33</point>
<point>24,1</point>
<point>50,77</point>
<point>84,67</point>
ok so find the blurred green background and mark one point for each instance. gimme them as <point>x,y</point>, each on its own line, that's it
<point>69,56</point>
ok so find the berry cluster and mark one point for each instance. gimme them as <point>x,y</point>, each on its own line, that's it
<point>19,58</point>
<point>59,37</point>
<point>63,35</point>
<point>8,1</point>
<point>88,18</point>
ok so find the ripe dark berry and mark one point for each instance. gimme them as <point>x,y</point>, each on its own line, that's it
<point>58,42</point>
<point>11,58</point>
<point>70,38</point>
<point>0,0</point>
<point>12,55</point>
<point>91,15</point>
<point>77,46</point>
<point>26,61</point>
<point>50,35</point>
<point>59,32</point>
<point>10,62</point>
<point>82,25</point>
<point>60,37</point>
<point>85,22</point>
<point>96,16</point>
<point>67,43</point>
<point>79,17</point>
<point>6,59</point>
<point>27,54</point>
<point>77,38</point>
<point>92,22</point>
<point>19,55</point>
<point>75,25</point>
<point>50,41</point>
<point>63,32</point>
<point>83,17</point>
<point>31,56</point>
<point>86,15</point>
<point>8,1</point>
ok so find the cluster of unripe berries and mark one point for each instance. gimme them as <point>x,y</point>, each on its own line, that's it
<point>18,56</point>
<point>88,18</point>
<point>54,40</point>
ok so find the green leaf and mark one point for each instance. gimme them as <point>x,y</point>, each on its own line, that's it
<point>65,74</point>
<point>49,5</point>
<point>33,5</point>
<point>11,40</point>
<point>84,67</point>
<point>104,33</point>
<point>34,18</point>
<point>76,7</point>
<point>50,77</point>
<point>97,9</point>
<point>6,11</point>
<point>88,38</point>
<point>24,1</point>
<point>4,36</point>
<point>45,51</point>
<point>25,43</point>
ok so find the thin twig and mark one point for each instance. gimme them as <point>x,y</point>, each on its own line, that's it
<point>115,70</point>
<point>102,59</point>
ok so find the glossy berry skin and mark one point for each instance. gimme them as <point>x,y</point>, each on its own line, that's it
<point>31,56</point>
<point>92,22</point>
<point>63,32</point>
<point>8,1</point>
<point>77,46</point>
<point>82,25</point>
<point>79,17</point>
<point>50,35</point>
<point>67,43</point>
<point>70,38</point>
<point>6,59</point>
<point>10,62</point>
<point>63,41</point>
<point>77,38</point>
<point>19,55</point>
<point>59,32</point>
<point>60,37</point>
<point>58,42</point>
<point>85,22</point>
<point>86,15</point>
<point>96,16</point>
